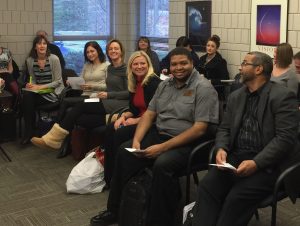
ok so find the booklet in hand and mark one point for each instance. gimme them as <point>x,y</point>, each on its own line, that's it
<point>224,165</point>
<point>134,150</point>
<point>40,91</point>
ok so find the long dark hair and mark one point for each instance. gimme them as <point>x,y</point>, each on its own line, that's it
<point>284,55</point>
<point>96,46</point>
<point>145,39</point>
<point>37,40</point>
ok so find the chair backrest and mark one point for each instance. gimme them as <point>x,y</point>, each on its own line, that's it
<point>16,70</point>
<point>68,73</point>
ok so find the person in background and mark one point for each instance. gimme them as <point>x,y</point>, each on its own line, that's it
<point>257,136</point>
<point>213,66</point>
<point>115,97</point>
<point>282,72</point>
<point>143,43</point>
<point>54,49</point>
<point>297,70</point>
<point>177,118</point>
<point>7,71</point>
<point>182,41</point>
<point>297,63</point>
<point>142,83</point>
<point>45,72</point>
<point>93,73</point>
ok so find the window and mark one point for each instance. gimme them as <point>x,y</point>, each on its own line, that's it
<point>75,23</point>
<point>154,23</point>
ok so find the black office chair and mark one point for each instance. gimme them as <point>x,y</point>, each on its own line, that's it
<point>196,163</point>
<point>279,193</point>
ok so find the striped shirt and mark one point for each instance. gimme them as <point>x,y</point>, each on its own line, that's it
<point>44,76</point>
<point>249,139</point>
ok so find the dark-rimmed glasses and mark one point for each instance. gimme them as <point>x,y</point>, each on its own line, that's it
<point>245,64</point>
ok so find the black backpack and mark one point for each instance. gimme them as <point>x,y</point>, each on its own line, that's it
<point>135,199</point>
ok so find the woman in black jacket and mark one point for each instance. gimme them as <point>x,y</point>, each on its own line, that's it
<point>142,84</point>
<point>213,66</point>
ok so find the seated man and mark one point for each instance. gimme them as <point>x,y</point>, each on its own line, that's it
<point>257,136</point>
<point>183,107</point>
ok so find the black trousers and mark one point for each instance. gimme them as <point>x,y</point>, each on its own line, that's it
<point>113,139</point>
<point>225,199</point>
<point>30,101</point>
<point>91,114</point>
<point>165,192</point>
<point>67,103</point>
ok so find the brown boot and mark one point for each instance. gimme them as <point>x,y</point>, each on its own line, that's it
<point>53,139</point>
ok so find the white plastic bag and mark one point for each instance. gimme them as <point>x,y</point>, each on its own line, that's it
<point>86,177</point>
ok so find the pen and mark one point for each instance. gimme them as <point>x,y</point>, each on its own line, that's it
<point>30,79</point>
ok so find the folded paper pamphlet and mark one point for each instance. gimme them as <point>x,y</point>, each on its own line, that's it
<point>224,165</point>
<point>134,150</point>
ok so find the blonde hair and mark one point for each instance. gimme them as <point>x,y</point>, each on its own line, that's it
<point>131,77</point>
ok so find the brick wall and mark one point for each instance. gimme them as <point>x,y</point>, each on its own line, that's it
<point>231,21</point>
<point>20,19</point>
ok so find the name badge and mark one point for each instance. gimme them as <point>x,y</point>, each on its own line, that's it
<point>188,93</point>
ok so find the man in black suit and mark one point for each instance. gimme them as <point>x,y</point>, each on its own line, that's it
<point>54,49</point>
<point>256,136</point>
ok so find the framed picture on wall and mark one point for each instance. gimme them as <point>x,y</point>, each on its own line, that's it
<point>268,24</point>
<point>198,23</point>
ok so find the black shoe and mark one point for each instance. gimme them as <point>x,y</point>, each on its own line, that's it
<point>25,140</point>
<point>104,218</point>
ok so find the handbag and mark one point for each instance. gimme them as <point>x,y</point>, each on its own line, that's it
<point>87,176</point>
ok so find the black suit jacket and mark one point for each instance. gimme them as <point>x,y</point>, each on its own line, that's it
<point>215,70</point>
<point>278,118</point>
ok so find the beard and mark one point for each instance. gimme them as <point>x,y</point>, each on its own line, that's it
<point>246,78</point>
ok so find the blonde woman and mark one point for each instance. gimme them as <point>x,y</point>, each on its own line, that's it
<point>142,84</point>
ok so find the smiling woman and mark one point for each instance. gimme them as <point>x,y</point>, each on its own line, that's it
<point>93,74</point>
<point>93,113</point>
<point>44,70</point>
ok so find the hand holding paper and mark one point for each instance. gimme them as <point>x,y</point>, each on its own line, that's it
<point>134,150</point>
<point>225,165</point>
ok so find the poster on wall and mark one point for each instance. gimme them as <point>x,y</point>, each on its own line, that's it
<point>268,24</point>
<point>198,23</point>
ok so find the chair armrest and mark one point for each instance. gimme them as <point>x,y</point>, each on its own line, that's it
<point>119,112</point>
<point>212,155</point>
<point>197,149</point>
<point>282,176</point>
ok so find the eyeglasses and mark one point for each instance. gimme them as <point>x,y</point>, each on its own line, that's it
<point>245,64</point>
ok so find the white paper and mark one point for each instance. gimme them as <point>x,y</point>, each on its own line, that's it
<point>89,100</point>
<point>163,77</point>
<point>224,165</point>
<point>94,95</point>
<point>76,82</point>
<point>186,210</point>
<point>134,150</point>
<point>227,81</point>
